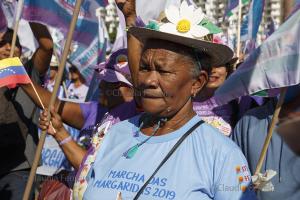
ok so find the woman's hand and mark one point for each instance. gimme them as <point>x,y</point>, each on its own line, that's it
<point>55,126</point>
<point>127,7</point>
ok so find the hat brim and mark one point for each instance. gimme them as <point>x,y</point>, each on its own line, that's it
<point>112,76</point>
<point>219,54</point>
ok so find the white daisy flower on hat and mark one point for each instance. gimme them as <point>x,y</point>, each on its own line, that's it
<point>184,21</point>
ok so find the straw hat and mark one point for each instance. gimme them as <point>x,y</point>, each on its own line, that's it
<point>189,27</point>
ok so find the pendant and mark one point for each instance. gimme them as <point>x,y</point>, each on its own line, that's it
<point>131,152</point>
<point>136,133</point>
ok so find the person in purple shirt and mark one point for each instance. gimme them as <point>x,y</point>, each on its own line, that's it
<point>223,117</point>
<point>220,117</point>
<point>116,103</point>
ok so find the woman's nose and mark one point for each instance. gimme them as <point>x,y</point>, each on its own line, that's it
<point>151,79</point>
<point>7,46</point>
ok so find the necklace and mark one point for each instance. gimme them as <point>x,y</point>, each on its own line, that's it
<point>132,151</point>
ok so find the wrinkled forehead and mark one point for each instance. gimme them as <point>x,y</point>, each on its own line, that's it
<point>165,46</point>
<point>165,51</point>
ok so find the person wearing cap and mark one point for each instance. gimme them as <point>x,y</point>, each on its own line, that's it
<point>19,116</point>
<point>77,89</point>
<point>115,104</point>
<point>195,161</point>
<point>49,83</point>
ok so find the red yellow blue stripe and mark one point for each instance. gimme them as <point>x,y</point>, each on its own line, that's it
<point>12,73</point>
<point>8,62</point>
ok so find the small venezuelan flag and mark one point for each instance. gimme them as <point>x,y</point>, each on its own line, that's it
<point>12,73</point>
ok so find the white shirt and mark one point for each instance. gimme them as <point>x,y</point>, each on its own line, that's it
<point>78,93</point>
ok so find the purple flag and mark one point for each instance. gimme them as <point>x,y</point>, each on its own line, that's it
<point>58,14</point>
<point>275,64</point>
<point>230,6</point>
<point>254,20</point>
<point>3,22</point>
<point>87,48</point>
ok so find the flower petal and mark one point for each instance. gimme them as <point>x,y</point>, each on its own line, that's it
<point>172,14</point>
<point>187,34</point>
<point>198,16</point>
<point>199,31</point>
<point>168,28</point>
<point>186,11</point>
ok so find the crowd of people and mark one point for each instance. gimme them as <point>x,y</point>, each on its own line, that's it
<point>156,131</point>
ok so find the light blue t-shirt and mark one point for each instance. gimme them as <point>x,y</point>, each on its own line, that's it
<point>207,165</point>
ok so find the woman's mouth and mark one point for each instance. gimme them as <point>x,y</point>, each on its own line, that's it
<point>213,78</point>
<point>151,95</point>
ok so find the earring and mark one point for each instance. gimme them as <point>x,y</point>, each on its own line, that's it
<point>168,109</point>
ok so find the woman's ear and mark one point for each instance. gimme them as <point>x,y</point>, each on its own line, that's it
<point>199,83</point>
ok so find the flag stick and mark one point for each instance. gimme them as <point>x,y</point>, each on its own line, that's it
<point>16,27</point>
<point>38,96</point>
<point>63,83</point>
<point>52,100</point>
<point>271,130</point>
<point>239,30</point>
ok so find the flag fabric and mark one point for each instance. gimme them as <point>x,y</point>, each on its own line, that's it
<point>244,28</point>
<point>252,23</point>
<point>12,73</point>
<point>27,40</point>
<point>275,64</point>
<point>3,22</point>
<point>87,57</point>
<point>231,5</point>
<point>255,17</point>
<point>58,13</point>
<point>87,49</point>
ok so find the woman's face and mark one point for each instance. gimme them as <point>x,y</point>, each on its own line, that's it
<point>53,72</point>
<point>217,77</point>
<point>5,50</point>
<point>165,82</point>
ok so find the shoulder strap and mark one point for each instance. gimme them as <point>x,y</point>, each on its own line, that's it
<point>167,157</point>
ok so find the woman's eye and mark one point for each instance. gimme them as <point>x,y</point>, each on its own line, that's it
<point>144,68</point>
<point>163,71</point>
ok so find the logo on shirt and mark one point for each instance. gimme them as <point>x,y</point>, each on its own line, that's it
<point>243,176</point>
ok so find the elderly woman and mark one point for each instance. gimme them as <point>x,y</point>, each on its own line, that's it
<point>168,152</point>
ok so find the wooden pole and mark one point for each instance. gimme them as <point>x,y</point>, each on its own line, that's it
<point>63,83</point>
<point>39,98</point>
<point>65,89</point>
<point>52,100</point>
<point>238,48</point>
<point>16,27</point>
<point>270,131</point>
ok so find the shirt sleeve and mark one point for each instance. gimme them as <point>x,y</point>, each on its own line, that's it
<point>234,180</point>
<point>86,109</point>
